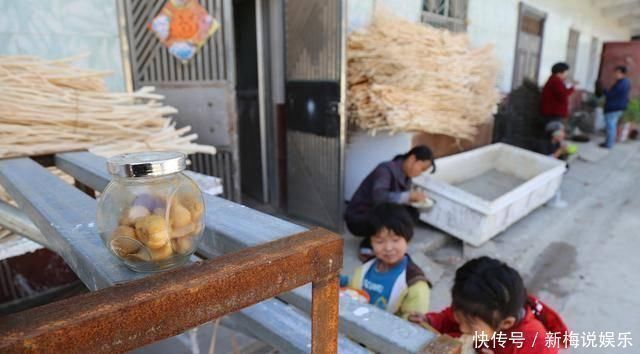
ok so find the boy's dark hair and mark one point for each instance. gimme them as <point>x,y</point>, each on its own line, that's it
<point>622,69</point>
<point>488,289</point>
<point>558,68</point>
<point>422,153</point>
<point>394,217</point>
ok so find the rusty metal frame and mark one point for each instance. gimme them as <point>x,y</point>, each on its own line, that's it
<point>127,316</point>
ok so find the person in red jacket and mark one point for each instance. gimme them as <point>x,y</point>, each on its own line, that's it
<point>490,302</point>
<point>554,100</point>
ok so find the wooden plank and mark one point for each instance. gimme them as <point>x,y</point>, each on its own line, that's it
<point>96,172</point>
<point>260,319</point>
<point>209,184</point>
<point>179,299</point>
<point>11,218</point>
<point>66,216</point>
<point>325,312</point>
<point>271,321</point>
<point>374,328</point>
<point>231,226</point>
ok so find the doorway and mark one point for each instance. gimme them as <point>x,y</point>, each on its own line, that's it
<point>528,45</point>
<point>250,137</point>
<point>572,51</point>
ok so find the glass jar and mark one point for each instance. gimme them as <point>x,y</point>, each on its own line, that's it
<point>151,215</point>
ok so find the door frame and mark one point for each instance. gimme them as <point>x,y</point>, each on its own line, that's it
<point>524,9</point>
<point>342,109</point>
<point>574,63</point>
<point>264,94</point>
<point>271,82</point>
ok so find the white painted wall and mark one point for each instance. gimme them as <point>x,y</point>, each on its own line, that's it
<point>365,152</point>
<point>360,12</point>
<point>496,21</point>
<point>55,29</point>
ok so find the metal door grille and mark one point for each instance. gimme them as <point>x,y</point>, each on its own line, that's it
<point>219,165</point>
<point>211,67</point>
<point>313,40</point>
<point>151,62</point>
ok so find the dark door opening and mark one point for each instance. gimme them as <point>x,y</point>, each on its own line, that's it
<point>249,137</point>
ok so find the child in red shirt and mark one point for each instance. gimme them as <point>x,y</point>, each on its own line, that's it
<point>489,301</point>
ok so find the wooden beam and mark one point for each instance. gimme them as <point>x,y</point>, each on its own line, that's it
<point>11,218</point>
<point>165,304</point>
<point>66,216</point>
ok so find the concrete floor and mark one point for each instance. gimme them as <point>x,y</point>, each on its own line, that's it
<point>581,260</point>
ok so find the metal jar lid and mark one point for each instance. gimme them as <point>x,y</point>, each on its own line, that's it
<point>147,164</point>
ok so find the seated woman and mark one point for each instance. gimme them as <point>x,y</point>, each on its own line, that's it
<point>554,145</point>
<point>389,182</point>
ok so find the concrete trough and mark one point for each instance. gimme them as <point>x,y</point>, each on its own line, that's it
<point>480,193</point>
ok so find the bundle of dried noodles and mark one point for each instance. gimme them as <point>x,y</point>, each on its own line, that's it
<point>405,76</point>
<point>51,106</point>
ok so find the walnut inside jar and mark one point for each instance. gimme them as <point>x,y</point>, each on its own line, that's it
<point>182,245</point>
<point>179,215</point>
<point>161,253</point>
<point>152,230</point>
<point>123,230</point>
<point>129,248</point>
<point>183,231</point>
<point>195,207</point>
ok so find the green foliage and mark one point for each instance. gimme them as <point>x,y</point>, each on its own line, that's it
<point>632,114</point>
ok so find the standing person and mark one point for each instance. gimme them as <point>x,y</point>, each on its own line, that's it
<point>389,182</point>
<point>617,99</point>
<point>554,100</point>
